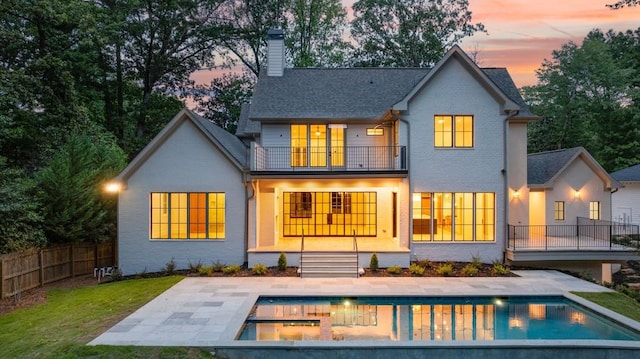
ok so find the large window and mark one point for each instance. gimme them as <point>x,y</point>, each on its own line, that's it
<point>558,210</point>
<point>453,131</point>
<point>594,210</point>
<point>448,216</point>
<point>182,215</point>
<point>326,214</point>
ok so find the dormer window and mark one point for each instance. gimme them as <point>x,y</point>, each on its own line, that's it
<point>453,131</point>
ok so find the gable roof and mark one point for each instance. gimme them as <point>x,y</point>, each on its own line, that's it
<point>544,168</point>
<point>362,93</point>
<point>629,174</point>
<point>228,144</point>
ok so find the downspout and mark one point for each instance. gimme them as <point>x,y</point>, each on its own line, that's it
<point>505,176</point>
<point>410,184</point>
<point>249,192</point>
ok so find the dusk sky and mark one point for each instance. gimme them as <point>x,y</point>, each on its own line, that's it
<point>521,33</point>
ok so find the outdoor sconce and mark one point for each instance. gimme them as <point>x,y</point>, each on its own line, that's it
<point>516,194</point>
<point>576,194</point>
<point>113,187</point>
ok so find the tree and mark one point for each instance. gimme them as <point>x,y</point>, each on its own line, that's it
<point>314,33</point>
<point>622,3</point>
<point>412,33</point>
<point>74,207</point>
<point>588,98</point>
<point>221,102</point>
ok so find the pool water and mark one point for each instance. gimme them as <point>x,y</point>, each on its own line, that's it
<point>427,319</point>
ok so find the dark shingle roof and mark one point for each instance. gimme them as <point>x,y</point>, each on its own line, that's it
<point>231,143</point>
<point>246,127</point>
<point>543,166</point>
<point>348,93</point>
<point>629,174</point>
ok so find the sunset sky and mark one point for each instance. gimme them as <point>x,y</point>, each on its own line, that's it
<point>521,33</point>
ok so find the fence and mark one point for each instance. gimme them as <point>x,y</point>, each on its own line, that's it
<point>33,268</point>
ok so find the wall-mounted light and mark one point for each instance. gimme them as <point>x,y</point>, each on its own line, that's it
<point>113,187</point>
<point>516,194</point>
<point>576,194</point>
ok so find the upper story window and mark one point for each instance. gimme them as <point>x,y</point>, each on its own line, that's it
<point>558,210</point>
<point>453,131</point>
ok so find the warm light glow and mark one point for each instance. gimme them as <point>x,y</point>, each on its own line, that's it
<point>515,323</point>
<point>576,194</point>
<point>537,311</point>
<point>577,318</point>
<point>113,187</point>
<point>516,194</point>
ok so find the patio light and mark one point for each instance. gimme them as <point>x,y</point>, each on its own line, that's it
<point>113,187</point>
<point>516,194</point>
<point>576,194</point>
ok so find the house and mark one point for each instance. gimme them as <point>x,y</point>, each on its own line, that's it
<point>626,201</point>
<point>332,165</point>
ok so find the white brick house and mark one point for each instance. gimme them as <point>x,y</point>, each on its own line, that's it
<point>407,163</point>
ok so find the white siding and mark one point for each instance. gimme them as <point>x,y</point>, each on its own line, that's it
<point>578,176</point>
<point>517,171</point>
<point>186,162</point>
<point>455,91</point>
<point>626,204</point>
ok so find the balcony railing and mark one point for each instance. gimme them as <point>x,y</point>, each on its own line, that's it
<point>347,158</point>
<point>586,235</point>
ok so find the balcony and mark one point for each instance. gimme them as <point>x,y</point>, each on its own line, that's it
<point>587,240</point>
<point>350,159</point>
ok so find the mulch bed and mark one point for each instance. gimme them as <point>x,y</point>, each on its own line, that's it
<point>39,295</point>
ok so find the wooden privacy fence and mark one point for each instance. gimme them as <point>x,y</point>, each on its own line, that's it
<point>32,268</point>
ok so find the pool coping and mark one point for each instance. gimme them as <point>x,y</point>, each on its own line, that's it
<point>210,312</point>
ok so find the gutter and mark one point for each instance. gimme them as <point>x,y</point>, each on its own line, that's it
<point>249,191</point>
<point>505,176</point>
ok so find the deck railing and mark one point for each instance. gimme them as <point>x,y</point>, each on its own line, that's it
<point>585,235</point>
<point>348,158</point>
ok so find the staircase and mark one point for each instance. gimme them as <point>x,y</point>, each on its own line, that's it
<point>329,264</point>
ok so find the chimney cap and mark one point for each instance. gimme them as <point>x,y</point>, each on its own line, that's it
<point>275,34</point>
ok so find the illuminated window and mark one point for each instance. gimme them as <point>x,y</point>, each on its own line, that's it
<point>446,216</point>
<point>558,210</point>
<point>594,210</point>
<point>197,215</point>
<point>339,214</point>
<point>375,131</point>
<point>453,131</point>
<point>299,145</point>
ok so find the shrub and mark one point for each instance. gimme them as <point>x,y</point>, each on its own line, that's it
<point>499,269</point>
<point>217,266</point>
<point>416,270</point>
<point>445,269</point>
<point>373,263</point>
<point>476,261</point>
<point>205,271</point>
<point>394,270</point>
<point>231,269</point>
<point>195,267</point>
<point>259,269</point>
<point>470,270</point>
<point>423,263</point>
<point>282,262</point>
<point>116,275</point>
<point>170,267</point>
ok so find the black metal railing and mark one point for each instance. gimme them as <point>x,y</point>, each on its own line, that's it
<point>585,235</point>
<point>348,158</point>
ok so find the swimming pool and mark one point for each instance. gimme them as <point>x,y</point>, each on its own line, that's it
<point>427,319</point>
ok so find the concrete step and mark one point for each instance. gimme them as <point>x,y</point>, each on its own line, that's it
<point>329,265</point>
<point>322,274</point>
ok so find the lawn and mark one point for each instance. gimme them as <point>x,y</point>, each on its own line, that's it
<point>71,318</point>
<point>615,301</point>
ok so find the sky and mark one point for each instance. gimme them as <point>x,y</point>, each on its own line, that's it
<point>521,34</point>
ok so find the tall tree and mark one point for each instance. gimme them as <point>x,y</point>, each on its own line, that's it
<point>314,33</point>
<point>411,33</point>
<point>587,97</point>
<point>165,41</point>
<point>624,3</point>
<point>222,100</point>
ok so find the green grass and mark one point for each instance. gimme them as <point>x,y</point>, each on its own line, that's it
<point>615,301</point>
<point>61,327</point>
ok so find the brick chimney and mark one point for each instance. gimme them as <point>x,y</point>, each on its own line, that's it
<point>275,52</point>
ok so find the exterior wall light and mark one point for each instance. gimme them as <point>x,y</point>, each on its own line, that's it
<point>516,194</point>
<point>576,194</point>
<point>113,187</point>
